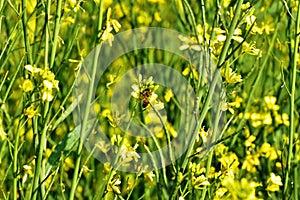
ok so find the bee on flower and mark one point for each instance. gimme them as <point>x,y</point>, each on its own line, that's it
<point>144,90</point>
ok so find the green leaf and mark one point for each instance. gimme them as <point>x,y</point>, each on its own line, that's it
<point>65,147</point>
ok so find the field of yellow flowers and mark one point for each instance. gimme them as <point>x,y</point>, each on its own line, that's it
<point>149,99</point>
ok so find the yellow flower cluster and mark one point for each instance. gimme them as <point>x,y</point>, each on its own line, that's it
<point>111,24</point>
<point>45,80</point>
<point>270,108</point>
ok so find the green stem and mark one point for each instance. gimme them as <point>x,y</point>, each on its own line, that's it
<point>56,31</point>
<point>167,133</point>
<point>84,124</point>
<point>39,173</point>
<point>204,22</point>
<point>47,35</point>
<point>15,162</point>
<point>24,23</point>
<point>292,103</point>
<point>230,33</point>
<point>193,21</point>
<point>75,179</point>
<point>160,154</point>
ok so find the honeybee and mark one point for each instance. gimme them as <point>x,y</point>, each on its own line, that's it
<point>146,94</point>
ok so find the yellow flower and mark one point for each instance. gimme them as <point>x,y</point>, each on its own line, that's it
<point>256,119</point>
<point>250,20</point>
<point>243,189</point>
<point>27,86</point>
<point>190,70</point>
<point>230,76</point>
<point>72,4</point>
<point>68,164</point>
<point>168,95</point>
<point>274,183</point>
<point>199,182</point>
<point>107,114</point>
<point>47,95</point>
<point>268,151</point>
<point>245,6</point>
<point>268,28</point>
<point>33,69</point>
<point>107,36</point>
<point>237,102</point>
<point>251,49</point>
<point>230,161</point>
<point>200,33</point>
<point>30,112</point>
<point>205,136</point>
<point>220,193</point>
<point>157,17</point>
<point>189,43</point>
<point>271,102</point>
<point>221,35</point>
<point>149,175</point>
<point>114,184</point>
<point>266,118</point>
<point>221,149</point>
<point>249,141</point>
<point>111,24</point>
<point>47,80</point>
<point>68,20</point>
<point>3,134</point>
<point>285,119</point>
<point>250,162</point>
<point>128,154</point>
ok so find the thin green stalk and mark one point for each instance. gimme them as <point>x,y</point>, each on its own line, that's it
<point>12,81</point>
<point>167,133</point>
<point>56,31</point>
<point>189,150</point>
<point>39,172</point>
<point>51,184</point>
<point>160,154</point>
<point>296,182</point>
<point>24,23</point>
<point>204,22</point>
<point>193,21</point>
<point>84,124</point>
<point>87,109</point>
<point>7,43</point>
<point>47,33</point>
<point>135,184</point>
<point>15,160</point>
<point>232,27</point>
<point>292,103</point>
